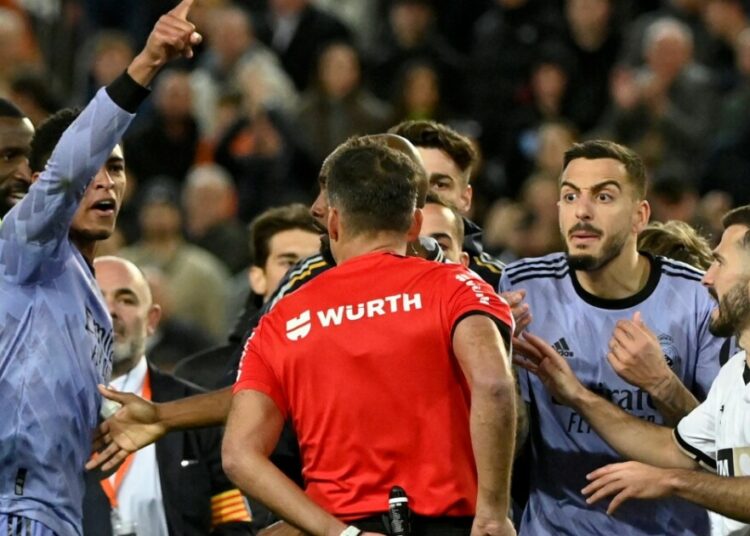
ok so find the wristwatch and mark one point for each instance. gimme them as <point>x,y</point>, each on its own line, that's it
<point>350,531</point>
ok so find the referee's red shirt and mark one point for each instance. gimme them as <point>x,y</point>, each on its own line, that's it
<point>360,359</point>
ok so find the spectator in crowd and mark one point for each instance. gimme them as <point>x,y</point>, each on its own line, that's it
<point>725,20</point>
<point>210,202</point>
<point>594,41</point>
<point>370,227</point>
<point>338,107</point>
<point>32,93</point>
<point>233,53</point>
<point>506,39</point>
<point>700,460</point>
<point>103,57</point>
<point>420,97</point>
<point>176,485</point>
<point>412,38</point>
<point>659,362</point>
<point>297,31</point>
<point>677,240</point>
<point>443,223</point>
<point>196,279</point>
<point>166,143</point>
<point>665,110</point>
<point>172,338</point>
<point>16,132</point>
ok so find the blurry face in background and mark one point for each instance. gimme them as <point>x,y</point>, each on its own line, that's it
<point>554,140</point>
<point>440,223</point>
<point>587,15</point>
<point>742,50</point>
<point>15,175</point>
<point>160,221</point>
<point>421,92</point>
<point>229,34</point>
<point>285,249</point>
<point>410,22</point>
<point>97,213</point>
<point>668,53</point>
<point>339,71</point>
<point>173,96</point>
<point>110,62</point>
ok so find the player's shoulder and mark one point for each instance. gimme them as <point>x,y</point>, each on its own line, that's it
<point>549,267</point>
<point>677,270</point>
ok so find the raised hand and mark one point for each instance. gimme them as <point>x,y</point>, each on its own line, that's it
<point>628,480</point>
<point>173,36</point>
<point>551,368</point>
<point>519,309</point>
<point>636,356</point>
<point>132,427</point>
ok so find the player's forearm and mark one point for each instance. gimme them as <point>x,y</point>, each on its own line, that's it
<point>673,400</point>
<point>728,496</point>
<point>634,438</point>
<point>207,409</point>
<point>257,477</point>
<point>493,431</point>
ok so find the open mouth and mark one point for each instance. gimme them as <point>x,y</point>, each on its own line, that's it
<point>106,206</point>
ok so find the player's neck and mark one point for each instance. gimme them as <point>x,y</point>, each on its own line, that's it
<point>622,277</point>
<point>364,244</point>
<point>87,247</point>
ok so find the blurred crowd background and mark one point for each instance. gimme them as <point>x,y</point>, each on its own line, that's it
<point>277,84</point>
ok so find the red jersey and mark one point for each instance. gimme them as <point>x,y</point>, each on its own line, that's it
<point>361,360</point>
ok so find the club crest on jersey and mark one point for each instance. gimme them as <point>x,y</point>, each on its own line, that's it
<point>299,327</point>
<point>669,349</point>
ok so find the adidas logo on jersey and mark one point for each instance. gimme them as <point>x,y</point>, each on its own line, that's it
<point>562,348</point>
<point>299,327</point>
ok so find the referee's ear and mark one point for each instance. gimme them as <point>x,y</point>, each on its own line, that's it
<point>416,225</point>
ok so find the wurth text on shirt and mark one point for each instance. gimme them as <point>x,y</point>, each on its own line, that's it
<point>299,327</point>
<point>474,285</point>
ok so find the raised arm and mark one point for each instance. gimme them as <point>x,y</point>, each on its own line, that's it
<point>484,361</point>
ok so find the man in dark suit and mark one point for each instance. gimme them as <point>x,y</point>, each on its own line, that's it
<point>176,486</point>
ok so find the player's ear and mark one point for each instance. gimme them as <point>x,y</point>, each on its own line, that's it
<point>642,215</point>
<point>464,259</point>
<point>334,223</point>
<point>258,282</point>
<point>416,225</point>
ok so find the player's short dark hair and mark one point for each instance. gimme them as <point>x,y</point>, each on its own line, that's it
<point>48,135</point>
<point>677,240</point>
<point>274,221</point>
<point>433,135</point>
<point>739,216</point>
<point>374,186</point>
<point>433,198</point>
<point>10,110</point>
<point>596,149</point>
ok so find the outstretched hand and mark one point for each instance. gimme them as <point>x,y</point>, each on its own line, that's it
<point>550,367</point>
<point>628,480</point>
<point>133,426</point>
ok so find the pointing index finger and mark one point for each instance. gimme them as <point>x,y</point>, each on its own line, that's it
<point>182,9</point>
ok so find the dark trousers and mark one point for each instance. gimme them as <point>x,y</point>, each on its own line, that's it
<point>421,525</point>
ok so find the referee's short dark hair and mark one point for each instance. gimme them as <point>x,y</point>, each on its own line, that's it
<point>739,216</point>
<point>374,187</point>
<point>596,149</point>
<point>274,221</point>
<point>48,135</point>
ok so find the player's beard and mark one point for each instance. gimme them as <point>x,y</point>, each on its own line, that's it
<point>734,310</point>
<point>611,248</point>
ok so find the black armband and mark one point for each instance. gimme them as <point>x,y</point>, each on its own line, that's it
<point>127,93</point>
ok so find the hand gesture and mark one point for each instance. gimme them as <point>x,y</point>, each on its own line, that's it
<point>173,35</point>
<point>519,309</point>
<point>549,366</point>
<point>629,480</point>
<point>636,355</point>
<point>132,427</point>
